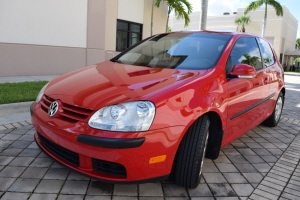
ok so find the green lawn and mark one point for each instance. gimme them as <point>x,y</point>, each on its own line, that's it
<point>19,92</point>
<point>295,72</point>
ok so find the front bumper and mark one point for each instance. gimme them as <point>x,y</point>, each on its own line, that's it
<point>133,151</point>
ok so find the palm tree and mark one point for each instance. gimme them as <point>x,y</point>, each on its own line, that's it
<point>296,60</point>
<point>250,60</point>
<point>204,5</point>
<point>182,9</point>
<point>151,30</point>
<point>255,4</point>
<point>243,20</point>
<point>298,43</point>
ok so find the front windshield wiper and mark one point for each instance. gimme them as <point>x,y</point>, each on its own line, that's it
<point>117,61</point>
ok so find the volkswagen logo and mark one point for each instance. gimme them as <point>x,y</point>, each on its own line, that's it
<point>53,109</point>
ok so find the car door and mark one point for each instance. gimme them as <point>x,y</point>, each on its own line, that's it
<point>246,96</point>
<point>272,67</point>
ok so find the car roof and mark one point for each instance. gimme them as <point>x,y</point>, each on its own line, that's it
<point>214,31</point>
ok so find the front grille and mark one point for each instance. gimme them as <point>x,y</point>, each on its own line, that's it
<point>59,151</point>
<point>68,112</point>
<point>109,167</point>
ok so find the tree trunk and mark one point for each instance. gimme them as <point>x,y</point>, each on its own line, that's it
<point>204,5</point>
<point>169,11</point>
<point>243,29</point>
<point>151,29</point>
<point>265,21</point>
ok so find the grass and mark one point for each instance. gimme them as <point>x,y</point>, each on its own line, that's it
<point>20,92</point>
<point>295,72</point>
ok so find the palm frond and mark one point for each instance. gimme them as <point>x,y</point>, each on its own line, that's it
<point>188,6</point>
<point>157,3</point>
<point>243,20</point>
<point>253,6</point>
<point>298,43</point>
<point>181,8</point>
<point>277,6</point>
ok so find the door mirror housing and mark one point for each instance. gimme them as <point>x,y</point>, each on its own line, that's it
<point>242,71</point>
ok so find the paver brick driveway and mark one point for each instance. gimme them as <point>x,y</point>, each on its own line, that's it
<point>262,164</point>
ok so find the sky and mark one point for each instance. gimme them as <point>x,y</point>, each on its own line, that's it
<point>218,7</point>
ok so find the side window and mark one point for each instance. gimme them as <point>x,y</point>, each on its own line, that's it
<point>245,51</point>
<point>266,52</point>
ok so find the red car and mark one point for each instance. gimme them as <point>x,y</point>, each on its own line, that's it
<point>160,107</point>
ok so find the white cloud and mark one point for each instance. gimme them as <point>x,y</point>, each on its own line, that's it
<point>218,7</point>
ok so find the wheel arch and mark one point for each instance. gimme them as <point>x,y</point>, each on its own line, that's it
<point>215,135</point>
<point>214,140</point>
<point>283,91</point>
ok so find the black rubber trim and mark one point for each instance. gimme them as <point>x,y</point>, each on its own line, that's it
<point>110,143</point>
<point>251,107</point>
<point>155,179</point>
<point>31,108</point>
<point>150,180</point>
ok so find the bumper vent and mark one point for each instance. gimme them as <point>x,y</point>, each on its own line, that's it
<point>69,112</point>
<point>111,168</point>
<point>59,151</point>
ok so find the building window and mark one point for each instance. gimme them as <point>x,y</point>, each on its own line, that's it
<point>128,33</point>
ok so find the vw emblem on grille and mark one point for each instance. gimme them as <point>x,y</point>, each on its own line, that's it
<point>53,108</point>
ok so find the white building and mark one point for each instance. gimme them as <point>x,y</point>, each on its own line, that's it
<point>280,31</point>
<point>44,37</point>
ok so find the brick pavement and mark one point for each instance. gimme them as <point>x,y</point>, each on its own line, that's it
<point>262,164</point>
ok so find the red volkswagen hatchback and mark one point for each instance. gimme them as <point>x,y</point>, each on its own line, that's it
<point>160,107</point>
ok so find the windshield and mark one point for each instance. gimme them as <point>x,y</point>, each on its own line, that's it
<point>192,51</point>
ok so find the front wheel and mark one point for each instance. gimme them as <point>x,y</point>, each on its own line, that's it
<point>191,154</point>
<point>274,118</point>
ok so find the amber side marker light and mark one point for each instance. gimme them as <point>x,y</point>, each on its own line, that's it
<point>157,159</point>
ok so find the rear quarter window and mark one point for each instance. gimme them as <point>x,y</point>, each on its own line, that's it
<point>266,51</point>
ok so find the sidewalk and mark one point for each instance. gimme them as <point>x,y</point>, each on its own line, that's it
<point>17,79</point>
<point>291,74</point>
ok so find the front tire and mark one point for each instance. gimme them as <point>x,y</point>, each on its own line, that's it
<point>274,119</point>
<point>191,154</point>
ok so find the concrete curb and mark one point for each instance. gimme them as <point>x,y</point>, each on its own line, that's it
<point>15,112</point>
<point>291,74</point>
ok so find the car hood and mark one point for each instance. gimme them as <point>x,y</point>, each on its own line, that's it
<point>109,83</point>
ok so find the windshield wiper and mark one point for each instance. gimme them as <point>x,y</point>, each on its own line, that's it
<point>118,61</point>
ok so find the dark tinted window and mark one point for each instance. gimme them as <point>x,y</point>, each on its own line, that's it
<point>266,52</point>
<point>178,50</point>
<point>128,33</point>
<point>246,51</point>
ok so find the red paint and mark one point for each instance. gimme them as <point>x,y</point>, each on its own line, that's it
<point>243,69</point>
<point>180,97</point>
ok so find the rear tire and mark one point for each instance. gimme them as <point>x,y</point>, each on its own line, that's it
<point>274,119</point>
<point>191,154</point>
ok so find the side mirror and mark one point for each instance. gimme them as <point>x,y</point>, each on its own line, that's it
<point>242,71</point>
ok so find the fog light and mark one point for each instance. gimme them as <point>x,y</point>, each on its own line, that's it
<point>157,159</point>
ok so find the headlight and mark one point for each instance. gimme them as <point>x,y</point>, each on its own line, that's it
<point>41,93</point>
<point>126,117</point>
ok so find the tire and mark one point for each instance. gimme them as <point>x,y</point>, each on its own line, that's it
<point>191,154</point>
<point>275,116</point>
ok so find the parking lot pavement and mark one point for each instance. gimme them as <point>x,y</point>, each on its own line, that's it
<point>262,164</point>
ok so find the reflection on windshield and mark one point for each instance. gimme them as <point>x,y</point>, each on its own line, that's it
<point>250,60</point>
<point>193,51</point>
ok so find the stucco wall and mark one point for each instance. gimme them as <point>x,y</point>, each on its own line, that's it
<point>159,18</point>
<point>47,37</point>
<point>281,31</point>
<point>44,22</point>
